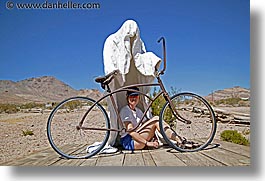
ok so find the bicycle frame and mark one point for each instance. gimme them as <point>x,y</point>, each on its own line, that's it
<point>114,105</point>
<point>128,88</point>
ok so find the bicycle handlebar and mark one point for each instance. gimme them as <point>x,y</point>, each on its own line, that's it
<point>164,55</point>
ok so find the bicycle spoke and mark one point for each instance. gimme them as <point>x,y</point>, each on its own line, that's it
<point>63,134</point>
<point>193,108</point>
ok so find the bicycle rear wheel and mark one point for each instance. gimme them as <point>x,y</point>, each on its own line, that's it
<point>64,135</point>
<point>193,108</point>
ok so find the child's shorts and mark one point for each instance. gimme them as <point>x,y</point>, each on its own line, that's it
<point>127,142</point>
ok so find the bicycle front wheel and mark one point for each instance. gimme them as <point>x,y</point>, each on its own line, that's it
<point>67,137</point>
<point>194,121</point>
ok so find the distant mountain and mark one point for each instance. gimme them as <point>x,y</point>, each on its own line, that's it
<point>41,90</point>
<point>234,92</point>
<point>49,89</point>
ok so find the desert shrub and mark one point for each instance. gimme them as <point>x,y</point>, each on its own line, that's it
<point>14,108</point>
<point>27,132</point>
<point>72,105</point>
<point>229,101</point>
<point>32,105</point>
<point>160,102</point>
<point>8,108</point>
<point>157,105</point>
<point>234,137</point>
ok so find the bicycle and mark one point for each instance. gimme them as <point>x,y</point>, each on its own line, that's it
<point>78,122</point>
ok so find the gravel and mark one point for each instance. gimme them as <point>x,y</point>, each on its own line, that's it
<point>13,143</point>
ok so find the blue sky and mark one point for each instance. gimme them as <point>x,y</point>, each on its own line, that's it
<point>208,41</point>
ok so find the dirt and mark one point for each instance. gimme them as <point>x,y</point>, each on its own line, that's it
<point>13,143</point>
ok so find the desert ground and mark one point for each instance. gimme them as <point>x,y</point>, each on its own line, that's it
<point>14,145</point>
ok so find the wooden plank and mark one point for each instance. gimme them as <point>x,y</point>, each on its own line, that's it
<point>115,159</point>
<point>18,162</point>
<point>69,162</point>
<point>90,162</point>
<point>73,149</point>
<point>110,159</point>
<point>35,160</point>
<point>163,158</point>
<point>239,149</point>
<point>148,159</point>
<point>50,158</point>
<point>227,157</point>
<point>226,154</point>
<point>40,158</point>
<point>197,159</point>
<point>44,158</point>
<point>133,159</point>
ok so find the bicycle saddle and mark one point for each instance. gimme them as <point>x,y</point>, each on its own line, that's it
<point>105,80</point>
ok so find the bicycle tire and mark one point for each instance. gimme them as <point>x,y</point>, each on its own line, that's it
<point>64,136</point>
<point>192,107</point>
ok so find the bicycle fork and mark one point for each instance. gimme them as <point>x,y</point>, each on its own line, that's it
<point>171,105</point>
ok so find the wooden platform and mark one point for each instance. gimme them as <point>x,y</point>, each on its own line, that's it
<point>219,153</point>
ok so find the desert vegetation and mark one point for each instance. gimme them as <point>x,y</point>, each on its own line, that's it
<point>10,108</point>
<point>235,137</point>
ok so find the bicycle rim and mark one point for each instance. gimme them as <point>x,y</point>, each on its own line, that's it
<point>71,142</point>
<point>195,109</point>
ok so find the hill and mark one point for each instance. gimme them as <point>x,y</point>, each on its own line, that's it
<point>49,89</point>
<point>234,92</point>
<point>40,90</point>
